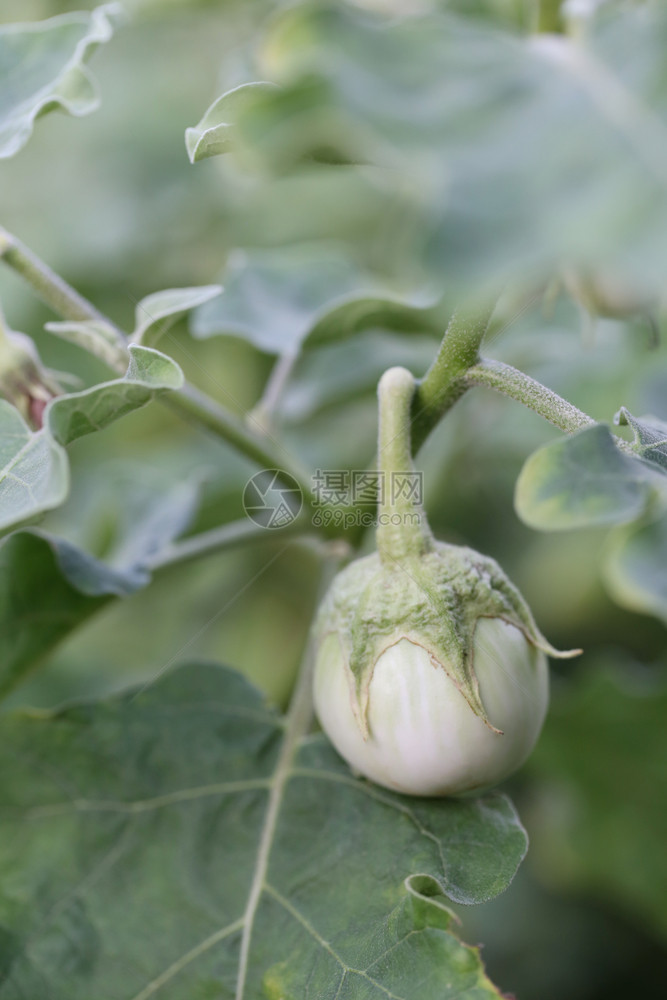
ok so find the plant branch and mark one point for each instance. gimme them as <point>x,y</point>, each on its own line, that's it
<point>517,385</point>
<point>47,285</point>
<point>444,383</point>
<point>189,402</point>
<point>237,534</point>
<point>221,539</point>
<point>262,414</point>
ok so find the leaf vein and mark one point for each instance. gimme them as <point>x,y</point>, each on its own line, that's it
<point>305,772</point>
<point>144,805</point>
<point>189,956</point>
<point>325,944</point>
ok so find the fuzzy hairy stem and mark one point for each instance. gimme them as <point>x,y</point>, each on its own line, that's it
<point>444,383</point>
<point>46,284</point>
<point>517,385</point>
<point>402,531</point>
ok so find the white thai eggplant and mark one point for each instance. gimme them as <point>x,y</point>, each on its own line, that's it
<point>431,677</point>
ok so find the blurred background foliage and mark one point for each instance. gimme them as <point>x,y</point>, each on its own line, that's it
<point>113,204</point>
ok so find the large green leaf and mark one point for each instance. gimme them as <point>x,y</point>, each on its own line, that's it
<point>598,819</point>
<point>48,586</point>
<point>43,67</point>
<point>513,153</point>
<point>34,473</point>
<point>580,481</point>
<point>168,842</point>
<point>339,373</point>
<point>305,296</point>
<point>149,373</point>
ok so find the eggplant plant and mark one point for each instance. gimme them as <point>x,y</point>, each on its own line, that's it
<point>396,194</point>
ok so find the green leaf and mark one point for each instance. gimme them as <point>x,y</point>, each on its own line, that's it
<point>507,153</point>
<point>34,473</point>
<point>635,567</point>
<point>650,437</point>
<point>319,204</point>
<point>305,296</point>
<point>282,874</point>
<point>156,313</point>
<point>340,373</point>
<point>149,373</point>
<point>43,65</point>
<point>580,481</point>
<point>599,823</point>
<point>96,337</point>
<point>48,587</point>
<point>214,134</point>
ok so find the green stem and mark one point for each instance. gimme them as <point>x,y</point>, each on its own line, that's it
<point>195,405</point>
<point>48,285</point>
<point>402,530</point>
<point>517,385</point>
<point>262,415</point>
<point>221,539</point>
<point>444,383</point>
<point>189,402</point>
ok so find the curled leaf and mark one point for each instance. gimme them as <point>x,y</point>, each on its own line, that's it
<point>46,64</point>
<point>214,133</point>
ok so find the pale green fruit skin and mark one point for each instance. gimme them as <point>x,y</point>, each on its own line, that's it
<point>424,739</point>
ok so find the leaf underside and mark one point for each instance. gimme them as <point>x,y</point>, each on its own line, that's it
<point>72,585</point>
<point>34,471</point>
<point>304,296</point>
<point>44,66</point>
